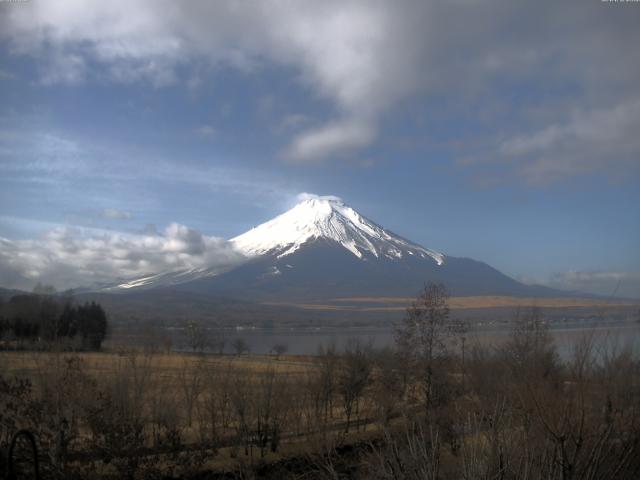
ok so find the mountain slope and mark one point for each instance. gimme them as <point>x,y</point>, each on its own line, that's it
<point>323,269</point>
<point>323,249</point>
<point>329,219</point>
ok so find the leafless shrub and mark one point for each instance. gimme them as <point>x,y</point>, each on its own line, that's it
<point>191,382</point>
<point>270,408</point>
<point>215,407</point>
<point>353,377</point>
<point>322,386</point>
<point>388,386</point>
<point>409,454</point>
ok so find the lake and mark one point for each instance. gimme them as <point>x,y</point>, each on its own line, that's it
<point>307,341</point>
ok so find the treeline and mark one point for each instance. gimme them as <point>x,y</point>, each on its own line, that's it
<point>31,319</point>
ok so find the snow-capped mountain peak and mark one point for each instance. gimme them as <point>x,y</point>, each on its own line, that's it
<point>327,218</point>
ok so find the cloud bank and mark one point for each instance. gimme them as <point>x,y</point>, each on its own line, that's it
<point>75,257</point>
<point>364,58</point>
<point>338,49</point>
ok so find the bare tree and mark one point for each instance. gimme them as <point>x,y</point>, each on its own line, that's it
<point>279,349</point>
<point>242,404</point>
<point>270,408</point>
<point>191,383</point>
<point>530,347</point>
<point>423,336</point>
<point>323,384</point>
<point>215,410</point>
<point>389,386</point>
<point>119,420</point>
<point>197,336</point>
<point>240,346</point>
<point>354,377</point>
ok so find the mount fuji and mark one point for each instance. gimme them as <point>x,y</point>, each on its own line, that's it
<point>330,219</point>
<point>323,249</point>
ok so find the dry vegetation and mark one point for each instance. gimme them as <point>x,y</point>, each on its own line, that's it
<point>433,408</point>
<point>390,304</point>
<point>488,301</point>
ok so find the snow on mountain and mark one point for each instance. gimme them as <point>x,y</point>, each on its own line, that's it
<point>164,279</point>
<point>331,219</point>
<point>323,249</point>
<point>314,218</point>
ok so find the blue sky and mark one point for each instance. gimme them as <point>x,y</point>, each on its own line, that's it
<point>501,132</point>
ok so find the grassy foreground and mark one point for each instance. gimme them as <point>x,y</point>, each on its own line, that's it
<point>485,412</point>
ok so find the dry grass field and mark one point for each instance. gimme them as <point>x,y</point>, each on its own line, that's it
<point>170,367</point>
<point>362,413</point>
<point>134,412</point>
<point>399,304</point>
<point>222,410</point>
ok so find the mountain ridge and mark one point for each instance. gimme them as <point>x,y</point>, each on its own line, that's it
<point>323,248</point>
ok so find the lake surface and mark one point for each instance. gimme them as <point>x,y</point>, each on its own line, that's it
<point>307,341</point>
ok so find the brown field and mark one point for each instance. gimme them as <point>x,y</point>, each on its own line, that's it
<point>382,304</point>
<point>169,366</point>
<point>185,393</point>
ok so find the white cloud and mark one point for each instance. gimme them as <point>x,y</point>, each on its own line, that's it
<point>603,140</point>
<point>72,257</point>
<point>320,143</point>
<point>60,160</point>
<point>363,57</point>
<point>350,53</point>
<point>312,196</point>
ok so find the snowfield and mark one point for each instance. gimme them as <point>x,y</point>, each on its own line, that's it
<point>317,218</point>
<point>327,218</point>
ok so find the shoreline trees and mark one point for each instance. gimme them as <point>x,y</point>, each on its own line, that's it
<point>37,319</point>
